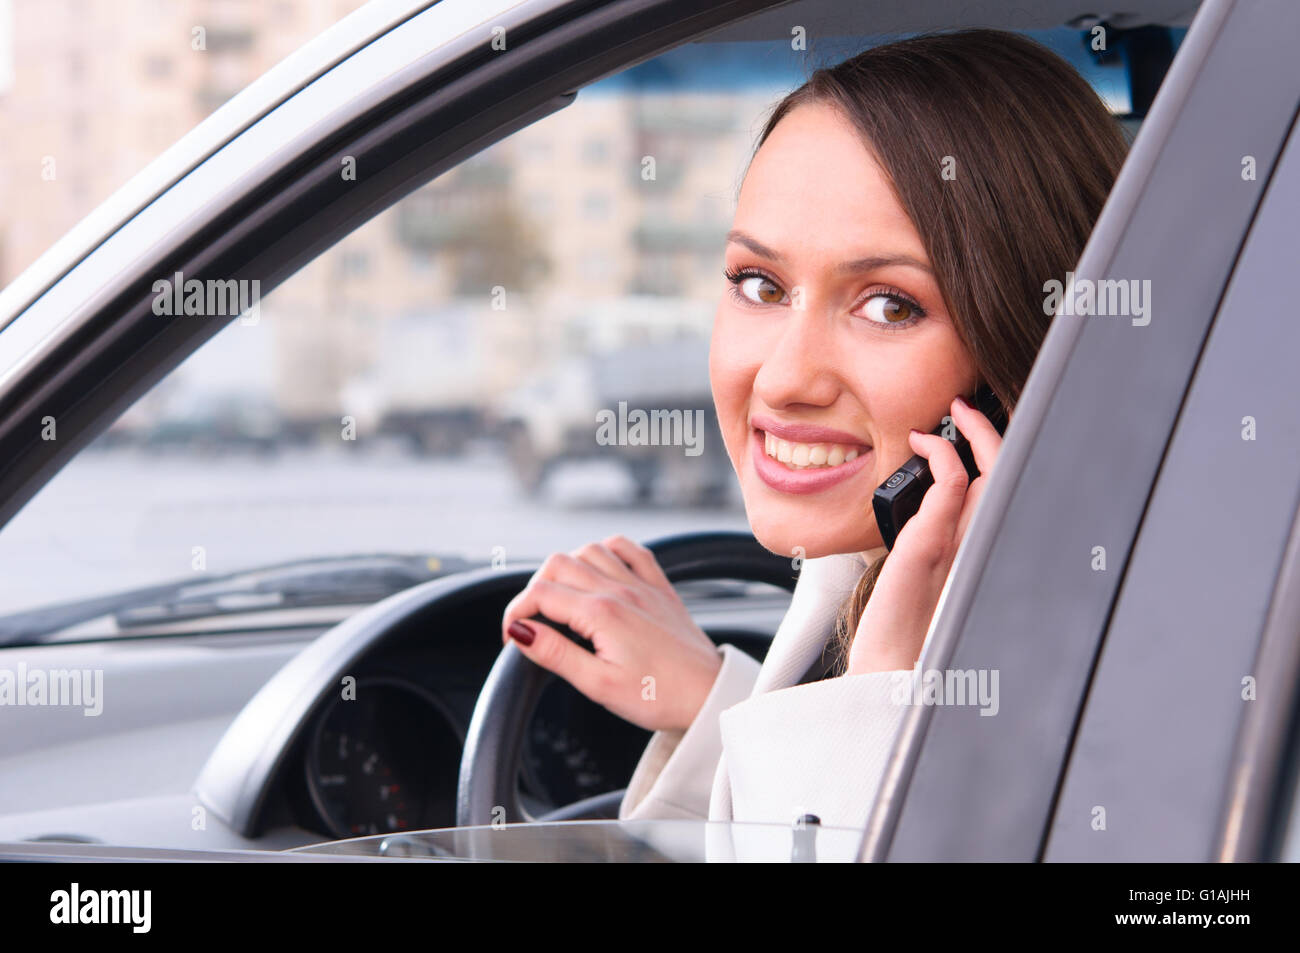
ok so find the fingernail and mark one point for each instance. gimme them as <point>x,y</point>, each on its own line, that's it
<point>962,400</point>
<point>914,430</point>
<point>522,632</point>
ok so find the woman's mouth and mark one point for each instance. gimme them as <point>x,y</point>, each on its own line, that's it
<point>801,456</point>
<point>794,467</point>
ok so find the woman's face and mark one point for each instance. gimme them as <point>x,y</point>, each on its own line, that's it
<point>832,344</point>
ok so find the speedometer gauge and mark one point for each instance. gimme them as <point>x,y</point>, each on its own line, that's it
<point>384,761</point>
<point>576,749</point>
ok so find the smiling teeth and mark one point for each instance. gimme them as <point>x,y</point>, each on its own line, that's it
<point>807,456</point>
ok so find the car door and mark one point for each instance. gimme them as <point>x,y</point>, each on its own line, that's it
<point>1182,743</point>
<point>1120,578</point>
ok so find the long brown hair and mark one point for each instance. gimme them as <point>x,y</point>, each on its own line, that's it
<point>1002,156</point>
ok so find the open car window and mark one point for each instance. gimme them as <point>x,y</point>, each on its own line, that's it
<point>505,363</point>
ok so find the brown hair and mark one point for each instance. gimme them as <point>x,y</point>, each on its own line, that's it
<point>1032,152</point>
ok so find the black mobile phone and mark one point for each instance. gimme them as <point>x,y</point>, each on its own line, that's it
<point>898,498</point>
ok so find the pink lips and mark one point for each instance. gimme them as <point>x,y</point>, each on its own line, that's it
<point>804,433</point>
<point>780,477</point>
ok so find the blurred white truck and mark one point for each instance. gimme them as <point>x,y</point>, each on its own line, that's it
<point>570,410</point>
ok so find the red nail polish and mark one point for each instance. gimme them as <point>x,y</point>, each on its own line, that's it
<point>521,632</point>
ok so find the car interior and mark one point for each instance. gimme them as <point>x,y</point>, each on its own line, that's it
<point>334,680</point>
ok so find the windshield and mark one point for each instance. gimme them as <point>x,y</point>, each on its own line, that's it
<point>679,841</point>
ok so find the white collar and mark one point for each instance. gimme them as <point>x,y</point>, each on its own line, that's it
<point>825,585</point>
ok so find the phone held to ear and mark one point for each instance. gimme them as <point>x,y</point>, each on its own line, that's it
<point>898,498</point>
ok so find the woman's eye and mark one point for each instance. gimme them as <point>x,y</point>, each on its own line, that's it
<point>890,309</point>
<point>760,290</point>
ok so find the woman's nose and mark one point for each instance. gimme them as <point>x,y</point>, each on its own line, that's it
<point>800,364</point>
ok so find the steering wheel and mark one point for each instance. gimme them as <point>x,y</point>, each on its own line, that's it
<point>489,767</point>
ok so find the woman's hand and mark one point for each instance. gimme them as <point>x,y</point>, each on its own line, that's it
<point>897,615</point>
<point>652,664</point>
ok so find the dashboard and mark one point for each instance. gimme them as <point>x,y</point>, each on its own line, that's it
<point>382,754</point>
<point>375,759</point>
<point>243,739</point>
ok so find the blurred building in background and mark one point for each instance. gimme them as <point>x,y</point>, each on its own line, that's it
<point>597,229</point>
<point>89,98</point>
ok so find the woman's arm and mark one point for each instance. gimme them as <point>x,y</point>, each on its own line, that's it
<point>674,777</point>
<point>821,748</point>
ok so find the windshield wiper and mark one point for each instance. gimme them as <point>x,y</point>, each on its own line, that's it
<point>329,581</point>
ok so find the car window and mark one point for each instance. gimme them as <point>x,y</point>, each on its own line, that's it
<point>88,97</point>
<point>510,361</point>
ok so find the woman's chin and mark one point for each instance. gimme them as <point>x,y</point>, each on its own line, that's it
<point>776,537</point>
<point>785,539</point>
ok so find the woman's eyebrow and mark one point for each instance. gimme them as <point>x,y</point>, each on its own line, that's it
<point>869,263</point>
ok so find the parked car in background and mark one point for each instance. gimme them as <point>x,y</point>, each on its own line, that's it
<point>657,413</point>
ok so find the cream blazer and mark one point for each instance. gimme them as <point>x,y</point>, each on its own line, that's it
<point>764,748</point>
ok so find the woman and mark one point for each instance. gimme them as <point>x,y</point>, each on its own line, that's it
<point>891,240</point>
